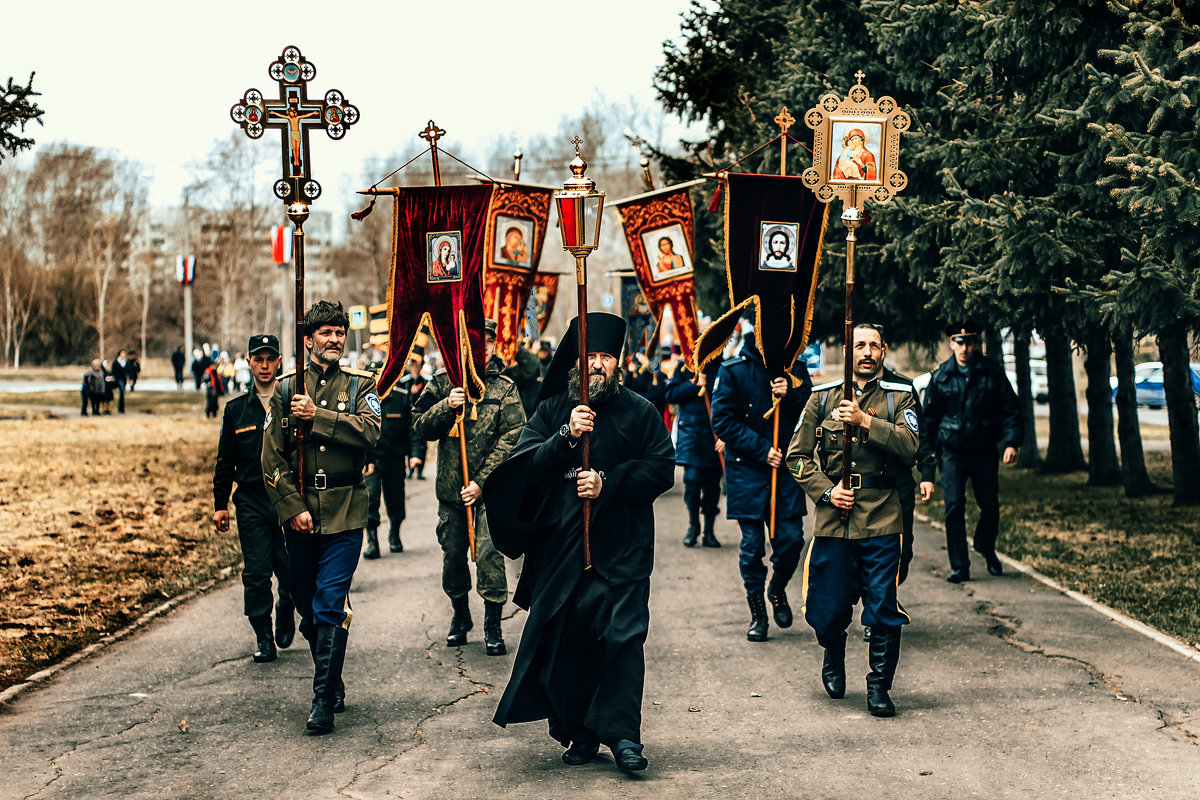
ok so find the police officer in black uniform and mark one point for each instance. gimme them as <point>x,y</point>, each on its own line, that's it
<point>387,466</point>
<point>239,453</point>
<point>970,409</point>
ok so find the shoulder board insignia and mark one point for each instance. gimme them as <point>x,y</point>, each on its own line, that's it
<point>362,373</point>
<point>889,386</point>
<point>732,361</point>
<point>288,374</point>
<point>830,385</point>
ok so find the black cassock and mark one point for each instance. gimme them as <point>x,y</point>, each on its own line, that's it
<point>580,664</point>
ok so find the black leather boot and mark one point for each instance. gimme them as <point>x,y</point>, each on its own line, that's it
<point>493,639</point>
<point>265,649</point>
<point>883,653</point>
<point>833,669</point>
<point>285,623</point>
<point>394,543</point>
<point>320,720</point>
<point>758,618</point>
<point>341,638</point>
<point>777,594</point>
<point>710,538</point>
<point>339,691</point>
<point>460,623</point>
<point>693,531</point>
<point>372,550</point>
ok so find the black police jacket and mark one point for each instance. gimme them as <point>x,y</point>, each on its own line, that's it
<point>239,451</point>
<point>972,407</point>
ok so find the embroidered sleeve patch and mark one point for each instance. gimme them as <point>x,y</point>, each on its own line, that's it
<point>910,418</point>
<point>373,403</point>
<point>267,420</point>
<point>273,479</point>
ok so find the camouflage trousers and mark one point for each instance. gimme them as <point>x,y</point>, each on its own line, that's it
<point>490,580</point>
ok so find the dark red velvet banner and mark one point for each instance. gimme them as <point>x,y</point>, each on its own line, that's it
<point>438,240</point>
<point>660,230</point>
<point>774,229</point>
<point>517,221</point>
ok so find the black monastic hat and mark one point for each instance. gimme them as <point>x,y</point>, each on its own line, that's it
<point>605,334</point>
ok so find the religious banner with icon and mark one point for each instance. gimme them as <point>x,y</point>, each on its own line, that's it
<point>774,228</point>
<point>640,322</point>
<point>517,221</point>
<point>541,301</point>
<point>659,229</point>
<point>438,241</point>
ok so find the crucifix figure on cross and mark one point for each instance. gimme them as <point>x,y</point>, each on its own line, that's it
<point>294,114</point>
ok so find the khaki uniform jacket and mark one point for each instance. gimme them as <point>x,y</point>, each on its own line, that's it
<point>335,446</point>
<point>496,428</point>
<point>882,451</point>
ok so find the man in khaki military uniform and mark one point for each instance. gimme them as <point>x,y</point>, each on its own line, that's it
<point>861,556</point>
<point>493,427</point>
<point>339,410</point>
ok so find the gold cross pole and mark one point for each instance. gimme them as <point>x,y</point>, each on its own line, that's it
<point>784,120</point>
<point>431,134</point>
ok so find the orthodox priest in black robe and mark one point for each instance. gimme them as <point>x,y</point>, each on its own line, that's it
<point>581,664</point>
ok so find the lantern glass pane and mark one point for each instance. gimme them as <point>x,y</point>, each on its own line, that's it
<point>591,219</point>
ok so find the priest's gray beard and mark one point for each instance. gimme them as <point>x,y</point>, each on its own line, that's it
<point>600,388</point>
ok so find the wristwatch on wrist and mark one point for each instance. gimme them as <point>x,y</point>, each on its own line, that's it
<point>565,433</point>
<point>828,496</point>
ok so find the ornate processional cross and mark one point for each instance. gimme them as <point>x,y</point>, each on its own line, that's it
<point>294,114</point>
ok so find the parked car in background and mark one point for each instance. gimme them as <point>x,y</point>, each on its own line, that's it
<point>1038,384</point>
<point>1148,384</point>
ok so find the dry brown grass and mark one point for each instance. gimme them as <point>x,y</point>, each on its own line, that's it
<point>100,520</point>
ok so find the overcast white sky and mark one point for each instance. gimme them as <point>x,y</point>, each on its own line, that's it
<point>155,80</point>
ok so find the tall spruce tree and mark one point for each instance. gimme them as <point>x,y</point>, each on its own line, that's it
<point>1143,104</point>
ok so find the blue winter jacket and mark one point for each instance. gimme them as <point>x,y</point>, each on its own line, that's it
<point>741,396</point>
<point>694,442</point>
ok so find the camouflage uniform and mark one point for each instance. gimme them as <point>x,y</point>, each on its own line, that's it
<point>498,423</point>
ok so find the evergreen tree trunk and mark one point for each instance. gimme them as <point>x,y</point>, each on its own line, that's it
<point>994,344</point>
<point>1129,431</point>
<point>1181,414</point>
<point>1104,469</point>
<point>1028,456</point>
<point>1064,452</point>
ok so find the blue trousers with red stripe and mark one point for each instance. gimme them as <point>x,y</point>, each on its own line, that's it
<point>840,571</point>
<point>322,568</point>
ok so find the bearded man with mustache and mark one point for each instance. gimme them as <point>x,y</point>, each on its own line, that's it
<point>581,662</point>
<point>340,414</point>
<point>856,548</point>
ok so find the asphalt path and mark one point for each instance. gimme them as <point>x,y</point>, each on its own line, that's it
<point>1005,689</point>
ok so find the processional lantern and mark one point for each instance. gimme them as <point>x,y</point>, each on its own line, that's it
<point>579,209</point>
<point>856,157</point>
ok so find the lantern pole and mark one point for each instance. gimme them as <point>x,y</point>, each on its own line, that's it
<point>579,239</point>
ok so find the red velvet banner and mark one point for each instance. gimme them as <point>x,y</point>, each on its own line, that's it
<point>660,230</point>
<point>774,230</point>
<point>438,239</point>
<point>517,222</point>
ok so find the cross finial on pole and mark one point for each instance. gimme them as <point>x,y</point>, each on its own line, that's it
<point>784,120</point>
<point>432,133</point>
<point>577,142</point>
<point>859,76</point>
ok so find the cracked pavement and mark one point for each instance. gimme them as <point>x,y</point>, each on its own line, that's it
<point>1006,689</point>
